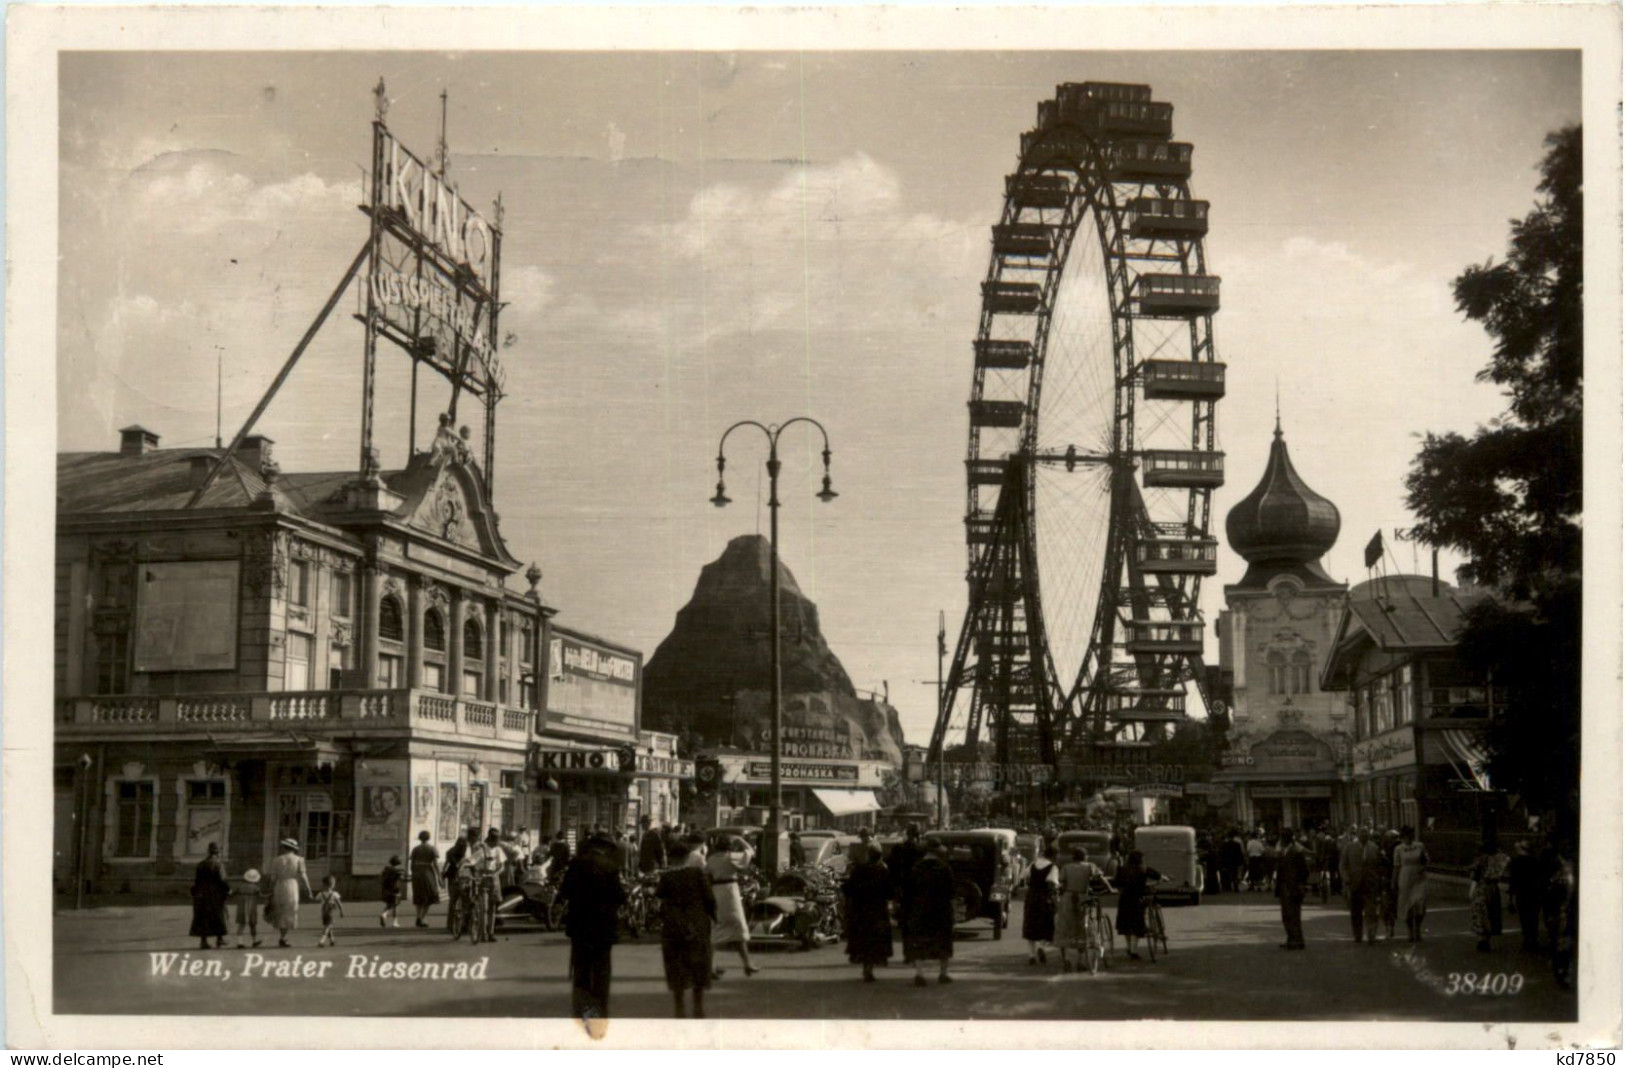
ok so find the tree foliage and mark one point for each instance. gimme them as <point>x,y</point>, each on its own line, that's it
<point>1509,496</point>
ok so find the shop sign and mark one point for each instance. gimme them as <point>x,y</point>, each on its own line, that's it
<point>804,772</point>
<point>1214,793</point>
<point>591,688</point>
<point>1122,773</point>
<point>1293,751</point>
<point>1386,752</point>
<point>1290,791</point>
<point>606,760</point>
<point>813,743</point>
<point>666,766</point>
<point>1158,789</point>
<point>432,211</point>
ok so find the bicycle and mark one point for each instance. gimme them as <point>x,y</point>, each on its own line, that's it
<point>460,914</point>
<point>1155,931</point>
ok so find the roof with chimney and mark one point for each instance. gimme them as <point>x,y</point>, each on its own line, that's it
<point>439,492</point>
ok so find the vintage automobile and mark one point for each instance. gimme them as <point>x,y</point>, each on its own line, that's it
<point>803,906</point>
<point>1097,848</point>
<point>1171,851</point>
<point>717,838</point>
<point>983,866</point>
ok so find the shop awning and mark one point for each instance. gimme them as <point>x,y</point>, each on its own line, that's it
<point>847,802</point>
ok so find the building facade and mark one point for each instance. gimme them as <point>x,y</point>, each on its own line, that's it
<point>1287,762</point>
<point>1418,716</point>
<point>834,792</point>
<point>324,657</point>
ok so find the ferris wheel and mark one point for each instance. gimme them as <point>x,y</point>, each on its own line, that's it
<point>1092,454</point>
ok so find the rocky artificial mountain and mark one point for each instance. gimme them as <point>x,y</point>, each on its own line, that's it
<point>708,680</point>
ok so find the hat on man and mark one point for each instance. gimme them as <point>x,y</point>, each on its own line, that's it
<point>290,843</point>
<point>251,876</point>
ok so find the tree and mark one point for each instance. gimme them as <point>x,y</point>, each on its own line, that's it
<point>1509,496</point>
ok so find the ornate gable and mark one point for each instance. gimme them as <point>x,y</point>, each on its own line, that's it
<point>445,498</point>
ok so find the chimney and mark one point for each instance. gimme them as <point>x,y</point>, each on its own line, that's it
<point>136,441</point>
<point>255,451</point>
<point>201,466</point>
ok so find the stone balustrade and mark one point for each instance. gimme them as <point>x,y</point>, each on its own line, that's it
<point>334,711</point>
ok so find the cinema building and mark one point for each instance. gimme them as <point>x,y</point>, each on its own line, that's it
<point>319,656</point>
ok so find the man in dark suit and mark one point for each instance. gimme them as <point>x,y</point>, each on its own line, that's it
<point>651,848</point>
<point>1291,884</point>
<point>592,886</point>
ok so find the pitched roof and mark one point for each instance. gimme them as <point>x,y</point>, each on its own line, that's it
<point>163,480</point>
<point>1398,614</point>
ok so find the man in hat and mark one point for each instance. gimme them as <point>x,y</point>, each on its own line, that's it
<point>903,857</point>
<point>488,859</point>
<point>928,913</point>
<point>1291,884</point>
<point>592,886</point>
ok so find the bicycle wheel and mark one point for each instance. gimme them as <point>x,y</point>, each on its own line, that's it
<point>1108,937</point>
<point>1155,930</point>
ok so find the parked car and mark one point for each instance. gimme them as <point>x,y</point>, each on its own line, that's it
<point>982,863</point>
<point>1171,850</point>
<point>1097,849</point>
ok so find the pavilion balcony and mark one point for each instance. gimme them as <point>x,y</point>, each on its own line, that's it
<point>1013,298</point>
<point>1177,556</point>
<point>1039,190</point>
<point>1150,161</point>
<point>1176,296</point>
<point>1033,240</point>
<point>1171,636</point>
<point>1004,355</point>
<point>1182,380</point>
<point>986,472</point>
<point>1134,118</point>
<point>979,530</point>
<point>1145,705</point>
<point>1167,217</point>
<point>349,712</point>
<point>1182,469</point>
<point>997,413</point>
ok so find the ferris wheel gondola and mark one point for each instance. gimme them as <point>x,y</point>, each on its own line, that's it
<point>1092,452</point>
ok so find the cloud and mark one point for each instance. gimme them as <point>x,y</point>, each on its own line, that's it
<point>200,193</point>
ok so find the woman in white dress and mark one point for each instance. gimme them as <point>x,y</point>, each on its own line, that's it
<point>724,868</point>
<point>287,875</point>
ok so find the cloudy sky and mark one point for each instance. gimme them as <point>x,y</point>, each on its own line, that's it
<point>693,239</point>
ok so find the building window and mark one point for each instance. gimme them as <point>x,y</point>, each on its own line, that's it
<point>1300,672</point>
<point>390,627</point>
<point>114,584</point>
<point>112,662</point>
<point>342,583</point>
<point>502,689</point>
<point>391,669</point>
<point>1382,706</point>
<point>299,583</point>
<point>434,631</point>
<point>473,645</point>
<point>1278,674</point>
<point>473,685</point>
<point>296,669</point>
<point>134,805</point>
<point>338,662</point>
<point>1403,711</point>
<point>434,677</point>
<point>205,815</point>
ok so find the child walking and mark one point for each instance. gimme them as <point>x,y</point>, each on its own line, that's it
<point>249,896</point>
<point>332,909</point>
<point>390,883</point>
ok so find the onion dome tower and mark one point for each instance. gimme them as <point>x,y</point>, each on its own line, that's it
<point>1283,527</point>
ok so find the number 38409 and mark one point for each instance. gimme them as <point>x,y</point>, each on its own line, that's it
<point>1491,983</point>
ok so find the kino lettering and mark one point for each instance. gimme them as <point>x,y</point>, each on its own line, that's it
<point>437,213</point>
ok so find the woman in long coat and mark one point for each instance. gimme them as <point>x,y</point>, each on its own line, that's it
<point>1038,917</point>
<point>688,908</point>
<point>287,875</point>
<point>868,889</point>
<point>1133,890</point>
<point>425,867</point>
<point>1411,881</point>
<point>928,914</point>
<point>724,869</point>
<point>209,893</point>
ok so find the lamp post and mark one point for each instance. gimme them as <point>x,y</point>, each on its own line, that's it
<point>770,840</point>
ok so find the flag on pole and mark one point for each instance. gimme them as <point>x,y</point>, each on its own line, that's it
<point>1373,550</point>
<point>942,635</point>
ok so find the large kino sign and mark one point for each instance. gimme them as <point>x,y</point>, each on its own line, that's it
<point>433,280</point>
<point>438,296</point>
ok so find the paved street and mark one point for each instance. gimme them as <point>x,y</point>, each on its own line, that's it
<point>1224,964</point>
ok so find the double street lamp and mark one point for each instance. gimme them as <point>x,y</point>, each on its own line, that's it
<point>770,840</point>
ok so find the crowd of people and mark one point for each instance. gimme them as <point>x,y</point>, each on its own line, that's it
<point>1382,876</point>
